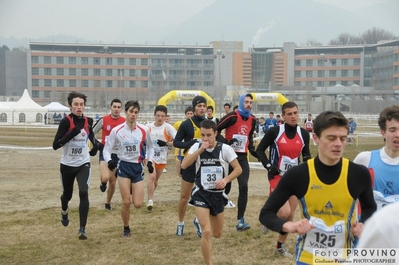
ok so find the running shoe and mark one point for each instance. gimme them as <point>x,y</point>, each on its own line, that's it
<point>82,234</point>
<point>65,219</point>
<point>198,227</point>
<point>180,230</point>
<point>242,225</point>
<point>283,251</point>
<point>230,204</point>
<point>265,230</point>
<point>164,170</point>
<point>108,207</point>
<point>150,205</point>
<point>103,187</point>
<point>126,233</point>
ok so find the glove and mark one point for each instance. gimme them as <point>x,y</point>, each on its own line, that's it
<point>150,167</point>
<point>274,170</point>
<point>162,143</point>
<point>75,131</point>
<point>193,142</point>
<point>100,146</point>
<point>93,150</point>
<point>112,165</point>
<point>231,141</point>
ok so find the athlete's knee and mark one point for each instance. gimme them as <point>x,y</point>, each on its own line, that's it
<point>138,205</point>
<point>206,232</point>
<point>126,203</point>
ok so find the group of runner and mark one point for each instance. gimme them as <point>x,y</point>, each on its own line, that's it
<point>210,154</point>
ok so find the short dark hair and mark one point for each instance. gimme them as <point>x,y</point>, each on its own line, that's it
<point>115,100</point>
<point>227,104</point>
<point>132,103</point>
<point>190,108</point>
<point>271,112</point>
<point>249,95</point>
<point>209,107</point>
<point>161,108</point>
<point>208,124</point>
<point>75,94</point>
<point>327,119</point>
<point>288,105</point>
<point>388,114</point>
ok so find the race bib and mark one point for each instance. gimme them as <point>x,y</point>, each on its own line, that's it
<point>131,148</point>
<point>159,156</point>
<point>287,163</point>
<point>382,201</point>
<point>241,143</point>
<point>209,176</point>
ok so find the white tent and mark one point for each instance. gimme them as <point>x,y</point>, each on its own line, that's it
<point>5,114</point>
<point>56,107</point>
<point>25,110</point>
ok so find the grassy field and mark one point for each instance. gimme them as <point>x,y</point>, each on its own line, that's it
<point>31,232</point>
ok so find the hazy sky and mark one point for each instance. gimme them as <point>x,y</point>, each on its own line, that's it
<point>101,19</point>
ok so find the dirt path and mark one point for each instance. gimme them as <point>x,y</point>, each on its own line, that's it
<point>29,180</point>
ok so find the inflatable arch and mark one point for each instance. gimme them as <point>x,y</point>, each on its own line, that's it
<point>269,97</point>
<point>185,95</point>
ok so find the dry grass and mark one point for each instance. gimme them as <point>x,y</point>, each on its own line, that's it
<point>31,232</point>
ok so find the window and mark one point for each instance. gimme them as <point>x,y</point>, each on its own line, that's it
<point>109,83</point>
<point>60,83</point>
<point>333,62</point>
<point>333,73</point>
<point>297,73</point>
<point>60,60</point>
<point>320,83</point>
<point>320,73</point>
<point>47,59</point>
<point>35,70</point>
<point>109,61</point>
<point>60,71</point>
<point>109,72</point>
<point>144,84</point>
<point>96,61</point>
<point>132,83</point>
<point>72,60</point>
<point>208,84</point>
<point>121,83</point>
<point>121,72</point>
<point>85,71</point>
<point>144,61</point>
<point>47,71</point>
<point>297,83</point>
<point>356,72</point>
<point>309,73</point>
<point>47,82</point>
<point>356,61</point>
<point>35,94</point>
<point>97,72</point>
<point>309,62</point>
<point>72,71</point>
<point>35,59</point>
<point>47,94</point>
<point>3,117</point>
<point>132,61</point>
<point>144,72</point>
<point>72,83</point>
<point>132,72</point>
<point>344,83</point>
<point>297,63</point>
<point>84,60</point>
<point>97,83</point>
<point>121,61</point>
<point>85,83</point>
<point>344,62</point>
<point>344,73</point>
<point>35,82</point>
<point>332,83</point>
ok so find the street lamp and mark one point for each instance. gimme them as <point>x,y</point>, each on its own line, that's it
<point>219,55</point>
<point>322,61</point>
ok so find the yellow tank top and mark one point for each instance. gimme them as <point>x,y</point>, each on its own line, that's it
<point>332,209</point>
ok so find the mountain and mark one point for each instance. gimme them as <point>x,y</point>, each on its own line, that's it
<point>273,22</point>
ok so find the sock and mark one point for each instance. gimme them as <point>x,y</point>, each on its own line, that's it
<point>64,212</point>
<point>150,201</point>
<point>126,228</point>
<point>279,244</point>
<point>180,223</point>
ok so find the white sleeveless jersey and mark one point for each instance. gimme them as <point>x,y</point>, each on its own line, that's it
<point>166,133</point>
<point>76,152</point>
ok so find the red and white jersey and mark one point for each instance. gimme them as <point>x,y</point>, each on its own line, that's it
<point>106,124</point>
<point>166,133</point>
<point>309,125</point>
<point>133,145</point>
<point>288,150</point>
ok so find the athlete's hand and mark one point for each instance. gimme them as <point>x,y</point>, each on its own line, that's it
<point>112,165</point>
<point>301,227</point>
<point>75,131</point>
<point>162,143</point>
<point>231,141</point>
<point>274,170</point>
<point>93,150</point>
<point>150,167</point>
<point>357,229</point>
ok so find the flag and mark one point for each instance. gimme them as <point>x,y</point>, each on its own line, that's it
<point>163,75</point>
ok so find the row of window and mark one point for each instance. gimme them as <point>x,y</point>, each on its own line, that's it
<point>327,62</point>
<point>89,83</point>
<point>331,73</point>
<point>329,83</point>
<point>122,61</point>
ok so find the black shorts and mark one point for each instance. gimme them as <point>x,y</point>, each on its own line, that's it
<point>188,174</point>
<point>214,201</point>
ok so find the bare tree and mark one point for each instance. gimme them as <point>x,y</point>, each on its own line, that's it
<point>374,35</point>
<point>346,39</point>
<point>313,42</point>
